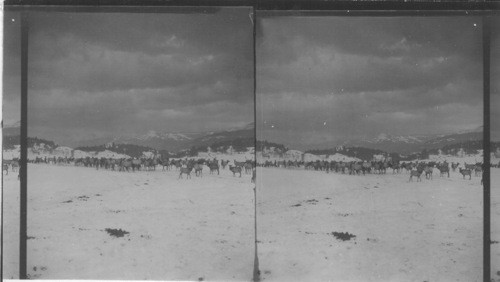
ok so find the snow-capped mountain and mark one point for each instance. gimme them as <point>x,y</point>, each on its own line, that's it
<point>409,139</point>
<point>165,135</point>
<point>10,129</point>
<point>405,144</point>
<point>176,141</point>
<point>160,140</point>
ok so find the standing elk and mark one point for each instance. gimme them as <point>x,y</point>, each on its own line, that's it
<point>417,173</point>
<point>198,170</point>
<point>186,171</point>
<point>444,168</point>
<point>465,172</point>
<point>235,169</point>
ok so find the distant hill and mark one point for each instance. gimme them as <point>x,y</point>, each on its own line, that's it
<point>469,147</point>
<point>265,145</point>
<point>177,141</point>
<point>355,152</point>
<point>134,151</point>
<point>9,142</point>
<point>415,143</point>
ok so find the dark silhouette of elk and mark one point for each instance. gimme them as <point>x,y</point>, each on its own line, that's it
<point>198,170</point>
<point>214,166</point>
<point>428,172</point>
<point>239,164</point>
<point>469,166</point>
<point>126,165</point>
<point>478,169</point>
<point>186,171</point>
<point>465,172</point>
<point>248,168</point>
<point>417,173</point>
<point>235,169</point>
<point>444,168</point>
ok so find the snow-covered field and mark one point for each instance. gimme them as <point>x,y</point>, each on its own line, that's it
<point>404,231</point>
<point>178,229</point>
<point>495,223</point>
<point>203,227</point>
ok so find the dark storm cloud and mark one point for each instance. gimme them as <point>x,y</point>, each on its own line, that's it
<point>495,80</point>
<point>121,51</point>
<point>11,102</point>
<point>127,73</point>
<point>346,77</point>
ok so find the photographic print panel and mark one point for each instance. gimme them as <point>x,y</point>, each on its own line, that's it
<point>369,147</point>
<point>135,121</point>
<point>11,131</point>
<point>495,149</point>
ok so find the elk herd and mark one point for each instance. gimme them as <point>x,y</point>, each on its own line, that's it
<point>414,169</point>
<point>184,166</point>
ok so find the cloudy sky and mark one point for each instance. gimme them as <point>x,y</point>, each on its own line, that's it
<point>93,75</point>
<point>325,79</point>
<point>495,80</point>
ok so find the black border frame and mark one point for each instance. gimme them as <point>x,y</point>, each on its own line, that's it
<point>486,9</point>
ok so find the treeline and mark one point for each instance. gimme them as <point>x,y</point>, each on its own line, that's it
<point>134,151</point>
<point>355,152</point>
<point>265,145</point>
<point>494,146</point>
<point>10,142</point>
<point>238,145</point>
<point>469,148</point>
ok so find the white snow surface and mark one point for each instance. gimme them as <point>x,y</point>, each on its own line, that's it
<point>469,159</point>
<point>295,155</point>
<point>12,153</point>
<point>384,137</point>
<point>405,231</point>
<point>179,229</point>
<point>239,157</point>
<point>68,152</point>
<point>495,223</point>
<point>186,229</point>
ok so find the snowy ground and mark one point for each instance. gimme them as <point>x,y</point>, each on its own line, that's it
<point>495,224</point>
<point>178,229</point>
<point>405,231</point>
<point>203,227</point>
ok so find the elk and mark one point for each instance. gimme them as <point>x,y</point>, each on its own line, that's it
<point>198,170</point>
<point>469,166</point>
<point>214,166</point>
<point>185,170</point>
<point>239,164</point>
<point>428,172</point>
<point>248,168</point>
<point>444,169</point>
<point>417,174</point>
<point>235,169</point>
<point>478,169</point>
<point>465,172</point>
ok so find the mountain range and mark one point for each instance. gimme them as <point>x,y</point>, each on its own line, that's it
<point>170,141</point>
<point>406,144</point>
<point>178,141</point>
